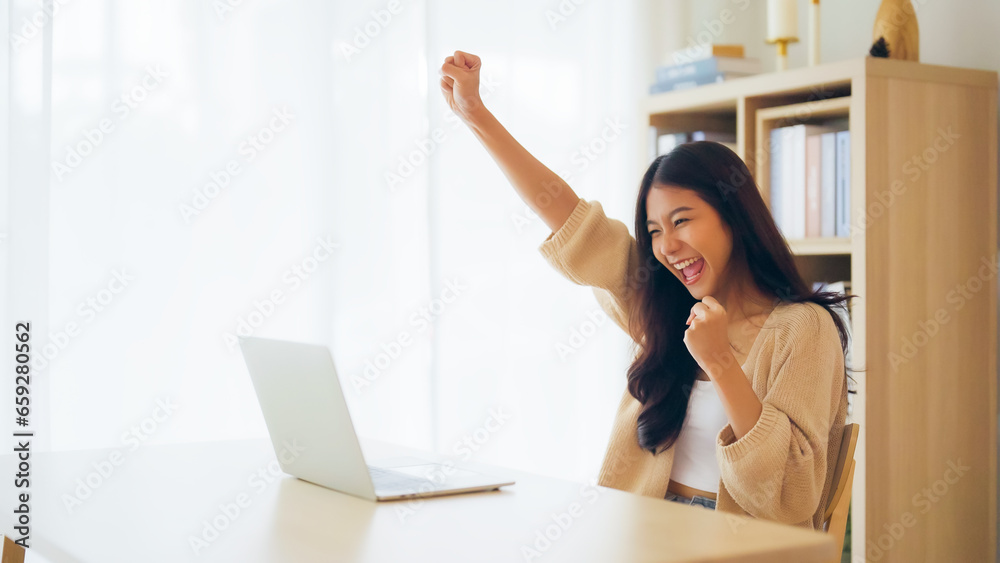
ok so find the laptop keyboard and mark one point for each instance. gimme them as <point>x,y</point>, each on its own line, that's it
<point>394,480</point>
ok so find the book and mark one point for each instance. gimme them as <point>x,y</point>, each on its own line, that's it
<point>722,137</point>
<point>693,81</point>
<point>828,186</point>
<point>703,51</point>
<point>717,136</point>
<point>793,177</point>
<point>843,195</point>
<point>775,197</point>
<point>666,142</point>
<point>786,174</point>
<point>711,65</point>
<point>813,163</point>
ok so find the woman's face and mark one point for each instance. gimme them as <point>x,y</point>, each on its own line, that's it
<point>682,226</point>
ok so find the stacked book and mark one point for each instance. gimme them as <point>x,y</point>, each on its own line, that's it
<point>715,63</point>
<point>811,181</point>
<point>662,144</point>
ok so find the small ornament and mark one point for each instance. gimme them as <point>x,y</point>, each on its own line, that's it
<point>896,21</point>
<point>879,49</point>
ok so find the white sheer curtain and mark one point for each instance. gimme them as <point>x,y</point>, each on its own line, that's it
<point>290,169</point>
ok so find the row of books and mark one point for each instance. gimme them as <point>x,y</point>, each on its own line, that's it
<point>810,184</point>
<point>706,67</point>
<point>662,144</point>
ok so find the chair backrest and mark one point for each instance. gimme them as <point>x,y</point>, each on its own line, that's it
<point>842,473</point>
<point>10,551</point>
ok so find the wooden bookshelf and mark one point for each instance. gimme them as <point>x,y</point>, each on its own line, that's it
<point>924,229</point>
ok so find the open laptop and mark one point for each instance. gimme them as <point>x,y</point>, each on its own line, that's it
<point>313,437</point>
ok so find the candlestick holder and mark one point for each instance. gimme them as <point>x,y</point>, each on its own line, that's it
<point>782,42</point>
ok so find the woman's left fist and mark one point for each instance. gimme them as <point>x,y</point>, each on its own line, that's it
<point>707,335</point>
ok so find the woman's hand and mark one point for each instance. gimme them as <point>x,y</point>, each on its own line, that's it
<point>707,336</point>
<point>460,84</point>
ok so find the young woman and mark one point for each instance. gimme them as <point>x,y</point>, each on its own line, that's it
<point>737,396</point>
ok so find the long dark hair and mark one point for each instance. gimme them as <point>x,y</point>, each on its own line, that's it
<point>663,372</point>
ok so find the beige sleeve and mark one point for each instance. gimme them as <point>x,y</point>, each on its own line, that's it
<point>591,249</point>
<point>777,471</point>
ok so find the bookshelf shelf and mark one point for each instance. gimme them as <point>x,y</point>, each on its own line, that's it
<point>819,246</point>
<point>802,112</point>
<point>916,380</point>
<point>709,120</point>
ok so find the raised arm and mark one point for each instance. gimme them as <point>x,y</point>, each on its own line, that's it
<point>548,195</point>
<point>585,246</point>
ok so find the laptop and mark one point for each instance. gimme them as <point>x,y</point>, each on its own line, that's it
<point>313,437</point>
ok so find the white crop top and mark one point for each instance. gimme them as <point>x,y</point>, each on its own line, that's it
<point>694,463</point>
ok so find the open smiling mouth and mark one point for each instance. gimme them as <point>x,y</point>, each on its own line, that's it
<point>693,272</point>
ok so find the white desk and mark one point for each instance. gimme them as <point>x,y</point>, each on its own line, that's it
<point>161,496</point>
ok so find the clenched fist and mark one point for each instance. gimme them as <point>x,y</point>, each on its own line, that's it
<point>460,84</point>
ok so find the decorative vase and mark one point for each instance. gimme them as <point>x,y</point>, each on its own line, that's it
<point>896,21</point>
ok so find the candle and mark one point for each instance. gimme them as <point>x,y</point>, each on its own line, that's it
<point>814,33</point>
<point>782,19</point>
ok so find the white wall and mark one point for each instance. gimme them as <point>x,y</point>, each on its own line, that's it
<point>951,33</point>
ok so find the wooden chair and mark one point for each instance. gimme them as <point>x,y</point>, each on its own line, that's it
<point>10,552</point>
<point>835,517</point>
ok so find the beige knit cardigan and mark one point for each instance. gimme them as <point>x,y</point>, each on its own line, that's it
<point>781,470</point>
